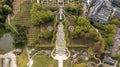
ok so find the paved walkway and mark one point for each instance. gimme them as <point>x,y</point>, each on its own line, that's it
<point>98,60</point>
<point>116,45</point>
<point>12,58</point>
<point>30,63</point>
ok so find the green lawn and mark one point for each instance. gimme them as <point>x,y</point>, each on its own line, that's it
<point>67,63</point>
<point>80,65</point>
<point>23,59</point>
<point>44,61</point>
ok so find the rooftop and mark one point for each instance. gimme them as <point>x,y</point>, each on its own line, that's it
<point>116,13</point>
<point>101,11</point>
<point>109,61</point>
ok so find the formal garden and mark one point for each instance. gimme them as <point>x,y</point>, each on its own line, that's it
<point>36,27</point>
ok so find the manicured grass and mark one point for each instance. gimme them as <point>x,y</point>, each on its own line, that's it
<point>80,65</point>
<point>67,63</point>
<point>23,59</point>
<point>44,61</point>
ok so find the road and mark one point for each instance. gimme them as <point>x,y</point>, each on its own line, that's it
<point>116,43</point>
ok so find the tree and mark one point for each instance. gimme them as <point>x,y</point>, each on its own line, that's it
<point>111,28</point>
<point>46,34</point>
<point>73,8</point>
<point>117,56</point>
<point>115,21</point>
<point>78,29</point>
<point>7,9</point>
<point>7,2</point>
<point>84,26</point>
<point>109,41</point>
<point>40,15</point>
<point>80,20</point>
<point>108,30</point>
<point>21,38</point>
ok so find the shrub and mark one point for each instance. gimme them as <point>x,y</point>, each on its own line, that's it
<point>40,15</point>
<point>46,34</point>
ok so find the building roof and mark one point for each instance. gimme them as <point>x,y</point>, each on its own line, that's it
<point>109,61</point>
<point>116,2</point>
<point>117,13</point>
<point>101,11</point>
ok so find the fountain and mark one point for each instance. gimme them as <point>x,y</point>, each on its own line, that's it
<point>60,52</point>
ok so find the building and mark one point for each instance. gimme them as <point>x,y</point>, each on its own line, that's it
<point>116,2</point>
<point>116,13</point>
<point>109,61</point>
<point>54,3</point>
<point>101,11</point>
<point>88,2</point>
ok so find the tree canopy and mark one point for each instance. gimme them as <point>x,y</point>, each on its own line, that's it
<point>5,9</point>
<point>74,9</point>
<point>21,38</point>
<point>115,21</point>
<point>46,34</point>
<point>84,29</point>
<point>40,15</point>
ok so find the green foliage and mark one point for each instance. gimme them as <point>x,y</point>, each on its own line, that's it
<point>80,65</point>
<point>21,38</point>
<point>7,9</point>
<point>78,29</point>
<point>22,59</point>
<point>2,32</point>
<point>40,15</point>
<point>84,24</point>
<point>53,8</point>
<point>84,29</point>
<point>74,9</point>
<point>8,2</point>
<point>115,21</point>
<point>82,21</point>
<point>109,41</point>
<point>44,60</point>
<point>108,31</point>
<point>117,56</point>
<point>46,34</point>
